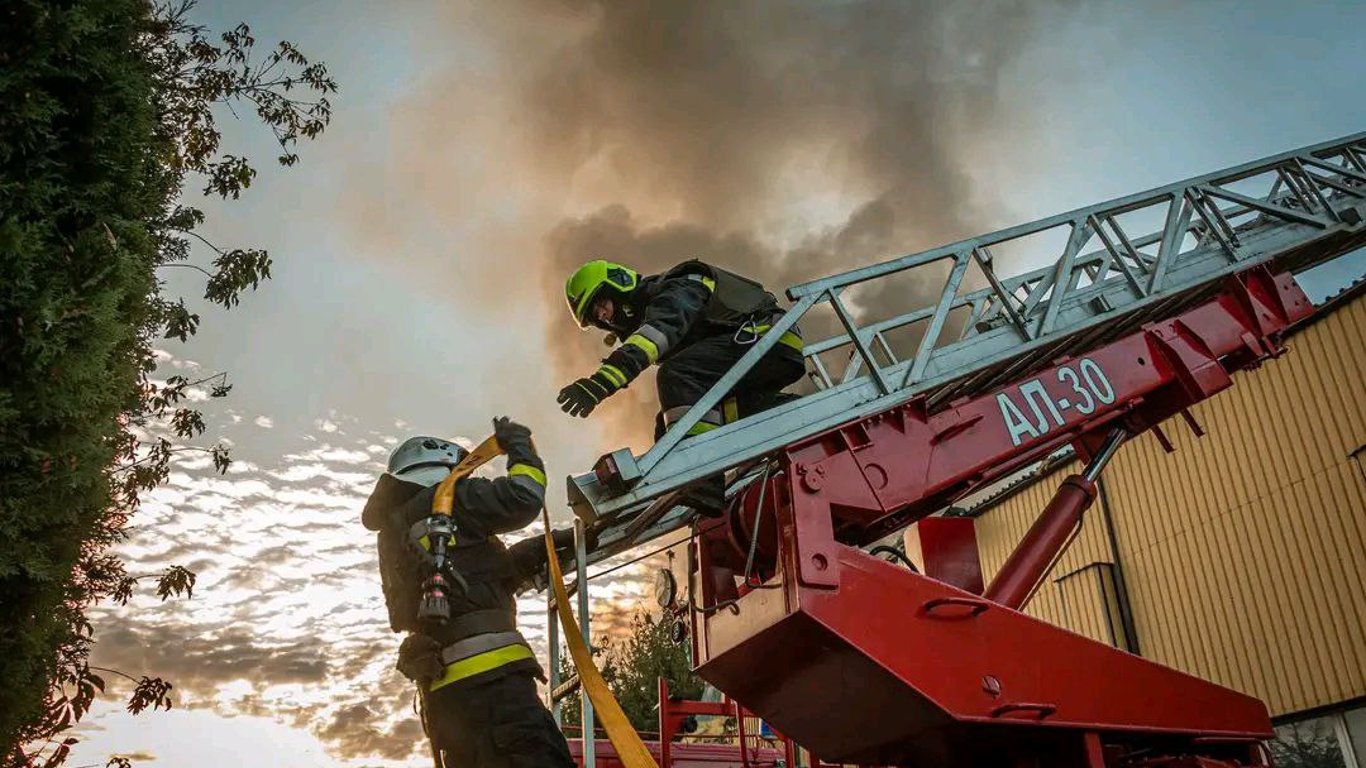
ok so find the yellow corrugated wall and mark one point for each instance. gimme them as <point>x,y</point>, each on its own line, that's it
<point>1245,550</point>
<point>999,530</point>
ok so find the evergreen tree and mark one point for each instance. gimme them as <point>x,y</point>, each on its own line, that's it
<point>106,110</point>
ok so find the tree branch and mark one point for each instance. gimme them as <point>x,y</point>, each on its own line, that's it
<point>124,675</point>
<point>189,266</point>
<point>181,449</point>
<point>201,239</point>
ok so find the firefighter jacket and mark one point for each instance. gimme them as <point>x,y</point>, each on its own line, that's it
<point>669,311</point>
<point>480,640</point>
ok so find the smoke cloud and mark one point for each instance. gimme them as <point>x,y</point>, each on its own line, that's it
<point>784,141</point>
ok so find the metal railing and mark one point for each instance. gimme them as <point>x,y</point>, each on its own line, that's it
<point>1294,209</point>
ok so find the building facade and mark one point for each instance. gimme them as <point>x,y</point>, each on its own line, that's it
<point>1240,556</point>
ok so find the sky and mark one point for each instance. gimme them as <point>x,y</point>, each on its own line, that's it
<point>479,151</point>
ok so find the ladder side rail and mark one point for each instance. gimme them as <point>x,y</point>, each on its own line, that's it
<point>725,447</point>
<point>992,298</point>
<point>1178,224</point>
<point>1117,206</point>
<point>890,324</point>
<point>1180,209</point>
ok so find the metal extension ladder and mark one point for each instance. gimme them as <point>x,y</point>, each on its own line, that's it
<point>1292,211</point>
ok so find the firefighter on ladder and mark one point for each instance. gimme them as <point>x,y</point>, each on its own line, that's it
<point>695,321</point>
<point>476,672</point>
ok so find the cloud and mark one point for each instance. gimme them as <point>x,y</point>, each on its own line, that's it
<point>287,610</point>
<point>782,141</point>
<point>287,620</point>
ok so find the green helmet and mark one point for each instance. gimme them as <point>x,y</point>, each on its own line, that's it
<point>590,280</point>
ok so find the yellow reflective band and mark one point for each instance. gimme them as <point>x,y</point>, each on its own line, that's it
<point>613,375</point>
<point>529,471</point>
<point>701,427</point>
<point>426,543</point>
<point>788,338</point>
<point>482,663</point>
<point>644,345</point>
<point>730,411</point>
<point>704,280</point>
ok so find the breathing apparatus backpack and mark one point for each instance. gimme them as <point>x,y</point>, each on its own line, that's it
<point>403,568</point>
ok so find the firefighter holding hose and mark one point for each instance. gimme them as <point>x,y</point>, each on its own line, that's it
<point>450,583</point>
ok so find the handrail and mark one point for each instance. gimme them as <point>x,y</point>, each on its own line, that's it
<point>1317,197</point>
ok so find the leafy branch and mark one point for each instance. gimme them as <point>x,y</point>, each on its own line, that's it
<point>132,89</point>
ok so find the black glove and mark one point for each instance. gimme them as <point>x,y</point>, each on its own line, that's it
<point>529,554</point>
<point>419,659</point>
<point>581,397</point>
<point>512,437</point>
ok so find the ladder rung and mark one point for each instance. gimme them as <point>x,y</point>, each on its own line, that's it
<point>567,688</point>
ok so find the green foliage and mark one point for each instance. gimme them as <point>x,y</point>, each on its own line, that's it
<point>632,667</point>
<point>106,109</point>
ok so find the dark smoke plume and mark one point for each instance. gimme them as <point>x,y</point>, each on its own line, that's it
<point>696,125</point>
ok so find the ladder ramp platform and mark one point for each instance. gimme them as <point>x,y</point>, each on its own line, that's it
<point>893,668</point>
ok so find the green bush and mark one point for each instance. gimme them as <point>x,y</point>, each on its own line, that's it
<point>105,110</point>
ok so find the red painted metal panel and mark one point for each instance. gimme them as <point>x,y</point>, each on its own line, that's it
<point>948,549</point>
<point>907,463</point>
<point>863,661</point>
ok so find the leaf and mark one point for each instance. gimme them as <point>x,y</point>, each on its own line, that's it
<point>187,423</point>
<point>180,322</point>
<point>176,580</point>
<point>237,271</point>
<point>221,459</point>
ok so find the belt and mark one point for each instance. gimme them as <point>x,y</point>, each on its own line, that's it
<point>481,653</point>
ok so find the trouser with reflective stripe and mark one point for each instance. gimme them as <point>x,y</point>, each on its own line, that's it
<point>497,723</point>
<point>691,371</point>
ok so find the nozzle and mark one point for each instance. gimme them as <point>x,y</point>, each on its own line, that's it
<point>435,606</point>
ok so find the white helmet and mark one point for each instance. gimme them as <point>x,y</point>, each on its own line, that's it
<point>424,461</point>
